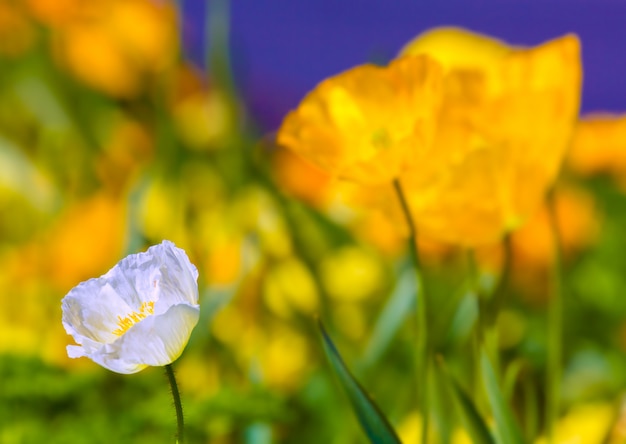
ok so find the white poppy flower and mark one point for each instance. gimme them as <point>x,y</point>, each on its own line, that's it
<point>138,314</point>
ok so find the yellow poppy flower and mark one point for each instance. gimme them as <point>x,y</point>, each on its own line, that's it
<point>506,120</point>
<point>578,223</point>
<point>95,224</point>
<point>58,13</point>
<point>297,177</point>
<point>17,34</point>
<point>599,145</point>
<point>365,123</point>
<point>116,46</point>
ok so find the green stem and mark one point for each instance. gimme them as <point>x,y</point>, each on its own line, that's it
<point>489,306</point>
<point>475,287</point>
<point>478,334</point>
<point>422,355</point>
<point>180,422</point>
<point>499,293</point>
<point>217,37</point>
<point>555,328</point>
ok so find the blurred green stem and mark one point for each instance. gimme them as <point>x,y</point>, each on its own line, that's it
<point>555,327</point>
<point>478,335</point>
<point>217,37</point>
<point>180,422</point>
<point>422,355</point>
<point>499,293</point>
<point>486,332</point>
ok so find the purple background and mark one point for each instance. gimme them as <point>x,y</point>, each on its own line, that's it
<point>282,48</point>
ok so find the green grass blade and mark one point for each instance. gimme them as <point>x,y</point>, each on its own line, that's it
<point>371,418</point>
<point>400,305</point>
<point>474,424</point>
<point>507,429</point>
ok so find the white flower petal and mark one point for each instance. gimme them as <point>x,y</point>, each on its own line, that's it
<point>91,310</point>
<point>113,363</point>
<point>156,340</point>
<point>177,278</point>
<point>75,351</point>
<point>159,340</point>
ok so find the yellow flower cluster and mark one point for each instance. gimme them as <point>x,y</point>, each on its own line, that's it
<point>474,130</point>
<point>75,175</point>
<point>111,45</point>
<point>599,147</point>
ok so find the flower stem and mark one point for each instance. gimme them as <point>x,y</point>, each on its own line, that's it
<point>480,328</point>
<point>499,293</point>
<point>421,358</point>
<point>491,305</point>
<point>555,328</point>
<point>180,422</point>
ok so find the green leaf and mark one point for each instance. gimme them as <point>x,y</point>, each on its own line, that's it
<point>507,429</point>
<point>400,305</point>
<point>371,418</point>
<point>464,318</point>
<point>473,422</point>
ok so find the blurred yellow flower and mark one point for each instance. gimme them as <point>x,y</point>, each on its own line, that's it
<point>162,210</point>
<point>410,430</point>
<point>221,247</point>
<point>232,326</point>
<point>351,319</point>
<point>16,31</point>
<point>95,224</point>
<point>351,274</point>
<point>599,145</point>
<point>584,424</point>
<point>114,45</point>
<point>284,357</point>
<point>373,213</point>
<point>224,262</point>
<point>21,317</point>
<point>203,113</point>
<point>618,429</point>
<point>257,212</point>
<point>129,148</point>
<point>280,353</point>
<point>366,123</point>
<point>201,375</point>
<point>387,234</point>
<point>58,12</point>
<point>532,246</point>
<point>507,117</point>
<point>456,48</point>
<point>297,177</point>
<point>288,287</point>
<point>577,221</point>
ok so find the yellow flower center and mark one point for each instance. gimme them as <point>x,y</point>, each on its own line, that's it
<point>147,308</point>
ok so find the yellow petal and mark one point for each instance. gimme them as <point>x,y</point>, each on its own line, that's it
<point>366,123</point>
<point>506,120</point>
<point>457,48</point>
<point>599,145</point>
